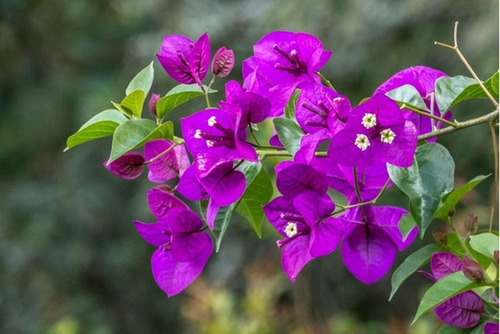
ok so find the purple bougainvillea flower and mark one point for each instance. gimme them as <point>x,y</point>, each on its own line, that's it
<point>223,62</point>
<point>444,264</point>
<point>165,166</point>
<point>223,186</point>
<point>297,178</point>
<point>491,328</point>
<point>423,79</point>
<point>129,166</point>
<point>375,131</point>
<point>161,200</point>
<point>371,240</point>
<point>254,108</point>
<point>282,60</point>
<point>214,136</point>
<point>183,249</point>
<point>463,310</point>
<point>185,61</point>
<point>152,104</point>
<point>320,108</point>
<point>307,226</point>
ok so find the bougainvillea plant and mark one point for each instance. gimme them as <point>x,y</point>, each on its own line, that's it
<point>389,139</point>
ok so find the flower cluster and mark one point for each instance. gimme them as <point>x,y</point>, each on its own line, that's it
<point>361,141</point>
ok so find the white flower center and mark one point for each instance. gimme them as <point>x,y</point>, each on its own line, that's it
<point>362,142</point>
<point>210,143</point>
<point>369,120</point>
<point>387,136</point>
<point>212,121</point>
<point>291,229</point>
<point>197,134</point>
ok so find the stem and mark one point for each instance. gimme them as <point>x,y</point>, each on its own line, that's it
<point>370,202</point>
<point>490,305</point>
<point>466,63</point>
<point>253,136</point>
<point>423,113</point>
<point>325,80</point>
<point>495,184</point>
<point>461,125</point>
<point>161,154</point>
<point>205,93</point>
<point>459,237</point>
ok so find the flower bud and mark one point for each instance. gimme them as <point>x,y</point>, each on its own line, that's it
<point>152,104</point>
<point>223,62</point>
<point>440,238</point>
<point>472,270</point>
<point>128,166</point>
<point>471,223</point>
<point>495,257</point>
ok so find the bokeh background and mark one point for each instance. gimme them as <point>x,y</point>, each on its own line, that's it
<point>70,260</point>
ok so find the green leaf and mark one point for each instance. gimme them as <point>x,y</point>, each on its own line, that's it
<point>224,214</point>
<point>136,132</point>
<point>452,90</point>
<point>454,197</point>
<point>256,195</point>
<point>408,95</point>
<point>142,81</point>
<point>177,96</point>
<point>406,225</point>
<point>484,243</point>
<point>289,133</point>
<point>292,103</point>
<point>132,103</point>
<point>444,289</point>
<point>426,182</point>
<point>411,264</point>
<point>101,125</point>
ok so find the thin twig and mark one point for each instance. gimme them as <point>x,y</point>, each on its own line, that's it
<point>426,114</point>
<point>466,63</point>
<point>325,80</point>
<point>161,154</point>
<point>488,118</point>
<point>495,184</point>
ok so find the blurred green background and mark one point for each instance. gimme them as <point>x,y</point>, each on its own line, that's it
<point>70,260</point>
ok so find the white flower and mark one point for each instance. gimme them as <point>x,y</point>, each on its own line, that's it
<point>291,229</point>
<point>362,142</point>
<point>387,136</point>
<point>369,120</point>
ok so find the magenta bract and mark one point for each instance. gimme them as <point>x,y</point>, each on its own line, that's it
<point>129,166</point>
<point>185,61</point>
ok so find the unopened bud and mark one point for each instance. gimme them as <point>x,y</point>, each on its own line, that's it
<point>472,270</point>
<point>152,104</point>
<point>471,224</point>
<point>495,257</point>
<point>223,62</point>
<point>451,212</point>
<point>440,238</point>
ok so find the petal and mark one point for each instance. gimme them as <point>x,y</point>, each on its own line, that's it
<point>172,276</point>
<point>325,237</point>
<point>129,166</point>
<point>401,151</point>
<point>161,201</point>
<point>368,253</point>
<point>295,256</point>
<point>187,246</point>
<point>199,60</point>
<point>313,206</point>
<point>182,220</point>
<point>190,187</point>
<point>176,69</point>
<point>444,264</point>
<point>212,210</point>
<point>277,210</point>
<point>166,165</point>
<point>157,234</point>
<point>491,328</point>
<point>464,310</point>
<point>224,184</point>
<point>298,178</point>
